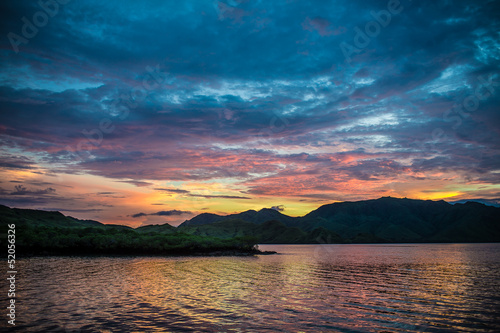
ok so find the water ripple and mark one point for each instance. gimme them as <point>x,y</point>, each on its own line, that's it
<point>334,288</point>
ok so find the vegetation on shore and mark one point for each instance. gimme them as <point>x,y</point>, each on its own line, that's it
<point>52,233</point>
<point>116,241</point>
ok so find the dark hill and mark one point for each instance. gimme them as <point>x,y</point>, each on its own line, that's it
<point>405,220</point>
<point>34,218</point>
<point>387,219</point>
<point>204,218</point>
<point>157,228</point>
<point>252,216</point>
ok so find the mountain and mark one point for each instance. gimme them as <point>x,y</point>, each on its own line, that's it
<point>384,220</point>
<point>487,202</point>
<point>157,228</point>
<point>31,217</point>
<point>405,220</point>
<point>252,216</point>
<point>269,232</point>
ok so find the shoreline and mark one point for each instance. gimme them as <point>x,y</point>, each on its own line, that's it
<point>215,253</point>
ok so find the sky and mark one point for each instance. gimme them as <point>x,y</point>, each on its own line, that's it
<point>147,112</point>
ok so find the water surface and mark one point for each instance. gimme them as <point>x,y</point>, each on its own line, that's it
<point>307,288</point>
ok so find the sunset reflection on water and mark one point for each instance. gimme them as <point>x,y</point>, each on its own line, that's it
<point>365,288</point>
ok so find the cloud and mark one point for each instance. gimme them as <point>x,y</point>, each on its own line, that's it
<point>172,190</point>
<point>279,208</point>
<point>21,190</point>
<point>255,97</point>
<point>322,26</point>
<point>206,196</point>
<point>136,183</point>
<point>90,210</point>
<point>9,161</point>
<point>173,212</point>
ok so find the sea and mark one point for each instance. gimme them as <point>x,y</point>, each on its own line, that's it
<point>303,288</point>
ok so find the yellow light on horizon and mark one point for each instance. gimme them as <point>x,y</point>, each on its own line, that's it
<point>440,195</point>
